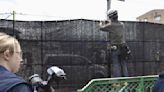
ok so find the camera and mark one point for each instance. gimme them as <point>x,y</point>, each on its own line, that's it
<point>36,81</point>
<point>55,71</point>
<point>55,75</point>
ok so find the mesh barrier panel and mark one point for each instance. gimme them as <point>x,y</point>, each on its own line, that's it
<point>45,43</point>
<point>122,84</point>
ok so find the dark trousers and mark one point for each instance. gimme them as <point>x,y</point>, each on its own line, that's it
<point>119,66</point>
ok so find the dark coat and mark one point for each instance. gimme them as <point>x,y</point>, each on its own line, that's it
<point>9,80</point>
<point>159,84</point>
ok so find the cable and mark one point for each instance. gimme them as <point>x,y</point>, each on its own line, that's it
<point>34,15</point>
<point>7,16</point>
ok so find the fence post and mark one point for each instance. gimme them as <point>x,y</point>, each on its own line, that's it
<point>141,85</point>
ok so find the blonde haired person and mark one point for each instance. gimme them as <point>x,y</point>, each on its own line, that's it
<point>10,61</point>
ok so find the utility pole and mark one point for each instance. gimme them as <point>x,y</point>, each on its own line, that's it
<point>109,5</point>
<point>13,23</point>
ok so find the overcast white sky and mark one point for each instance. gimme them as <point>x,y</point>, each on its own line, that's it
<point>75,9</point>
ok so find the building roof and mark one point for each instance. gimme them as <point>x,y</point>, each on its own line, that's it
<point>151,11</point>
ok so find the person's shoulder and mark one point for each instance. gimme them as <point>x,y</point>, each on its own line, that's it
<point>9,80</point>
<point>22,87</point>
<point>159,85</point>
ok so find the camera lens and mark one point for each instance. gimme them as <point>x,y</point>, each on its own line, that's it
<point>35,79</point>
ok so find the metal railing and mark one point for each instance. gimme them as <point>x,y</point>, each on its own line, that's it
<point>121,84</point>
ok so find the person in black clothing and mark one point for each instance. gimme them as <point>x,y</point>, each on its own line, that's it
<point>10,61</point>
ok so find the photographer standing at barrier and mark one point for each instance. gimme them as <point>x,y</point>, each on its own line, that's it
<point>10,61</point>
<point>118,51</point>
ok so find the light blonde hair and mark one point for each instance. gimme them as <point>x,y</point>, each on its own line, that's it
<point>7,42</point>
